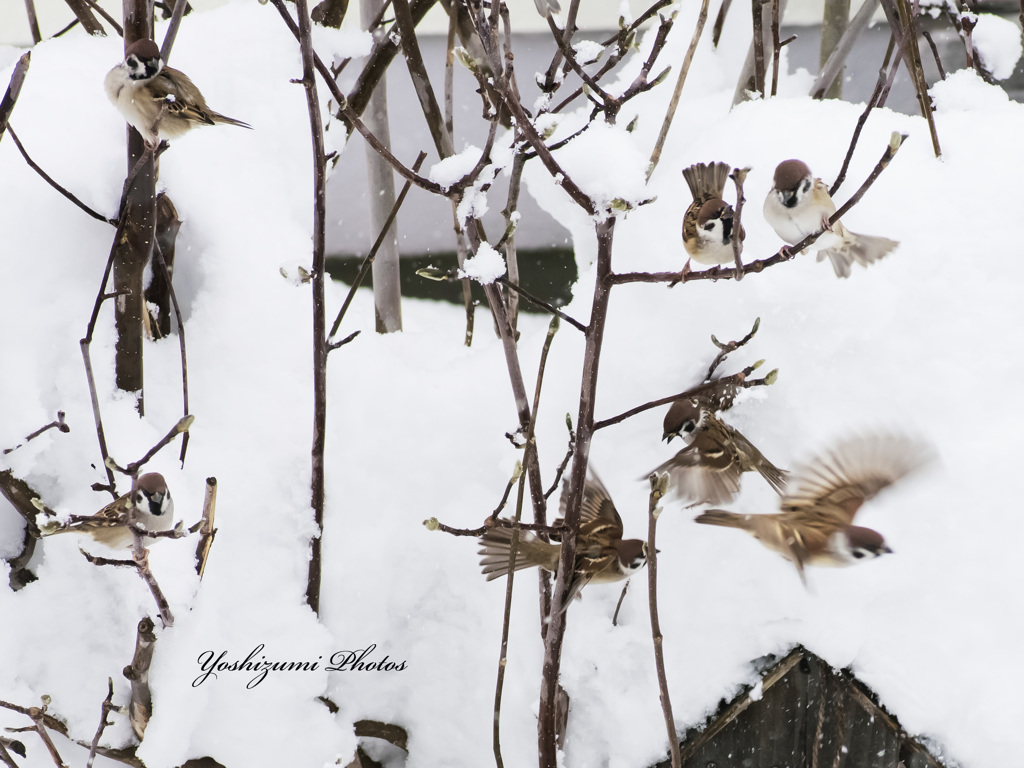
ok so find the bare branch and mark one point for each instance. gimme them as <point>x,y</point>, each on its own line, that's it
<point>183,425</point>
<point>140,708</point>
<point>85,16</point>
<point>105,710</point>
<point>49,180</point>
<point>59,425</point>
<point>172,29</point>
<point>658,486</point>
<point>206,529</point>
<point>14,88</point>
<point>678,91</point>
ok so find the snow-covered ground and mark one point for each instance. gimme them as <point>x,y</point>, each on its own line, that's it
<point>923,342</point>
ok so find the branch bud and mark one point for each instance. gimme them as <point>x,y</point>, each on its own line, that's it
<point>431,524</point>
<point>772,377</point>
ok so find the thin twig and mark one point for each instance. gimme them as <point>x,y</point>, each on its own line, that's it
<point>368,261</point>
<point>516,527</point>
<point>872,103</point>
<point>89,22</point>
<point>49,180</point>
<point>776,47</point>
<point>14,89</point>
<point>935,53</point>
<point>659,484</point>
<point>206,529</point>
<point>142,568</point>
<point>106,17</point>
<point>541,303</point>
<point>785,254</point>
<point>105,710</point>
<point>38,717</point>
<point>565,460</point>
<point>737,379</point>
<point>738,176</point>
<point>59,425</point>
<point>726,349</point>
<point>162,262</point>
<point>680,80</point>
<point>716,32</point>
<point>33,21</point>
<point>172,29</point>
<point>183,425</point>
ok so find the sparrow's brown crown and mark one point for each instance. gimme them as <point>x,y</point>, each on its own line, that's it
<point>144,50</point>
<point>790,173</point>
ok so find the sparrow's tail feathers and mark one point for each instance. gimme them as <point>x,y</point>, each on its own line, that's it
<point>547,7</point>
<point>496,545</point>
<point>775,477</point>
<point>704,179</point>
<point>219,118</point>
<point>862,249</point>
<point>723,518</point>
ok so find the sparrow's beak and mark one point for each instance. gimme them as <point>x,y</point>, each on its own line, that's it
<point>886,550</point>
<point>788,197</point>
<point>667,437</point>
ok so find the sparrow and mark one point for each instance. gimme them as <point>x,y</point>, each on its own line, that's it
<point>708,469</point>
<point>708,221</point>
<point>602,555</point>
<point>799,205</point>
<point>547,7</point>
<point>682,416</point>
<point>159,101</point>
<point>153,508</point>
<point>815,524</point>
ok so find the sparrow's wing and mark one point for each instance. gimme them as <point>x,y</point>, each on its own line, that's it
<point>704,472</point>
<point>173,88</point>
<point>111,516</point>
<point>749,456</point>
<point>854,470</point>
<point>597,507</point>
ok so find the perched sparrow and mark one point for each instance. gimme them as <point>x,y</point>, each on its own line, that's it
<point>154,511</point>
<point>683,415</point>
<point>815,526</point>
<point>708,221</point>
<point>161,102</point>
<point>799,205</point>
<point>708,469</point>
<point>602,555</point>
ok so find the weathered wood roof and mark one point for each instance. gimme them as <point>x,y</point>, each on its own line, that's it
<point>804,715</point>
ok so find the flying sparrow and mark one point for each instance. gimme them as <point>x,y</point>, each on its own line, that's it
<point>708,221</point>
<point>153,510</point>
<point>708,469</point>
<point>799,205</point>
<point>815,524</point>
<point>602,555</point>
<point>161,102</point>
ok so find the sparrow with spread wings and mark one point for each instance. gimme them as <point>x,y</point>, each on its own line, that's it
<point>815,523</point>
<point>602,555</point>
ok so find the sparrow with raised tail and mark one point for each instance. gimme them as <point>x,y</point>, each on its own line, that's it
<point>602,555</point>
<point>815,524</point>
<point>708,469</point>
<point>159,101</point>
<point>799,205</point>
<point>153,508</point>
<point>708,222</point>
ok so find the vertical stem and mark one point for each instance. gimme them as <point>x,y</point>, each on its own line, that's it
<point>835,20</point>
<point>511,257</point>
<point>387,292</point>
<point>680,80</point>
<point>320,347</point>
<point>33,21</point>
<point>546,725</point>
<point>776,47</point>
<point>756,11</point>
<point>136,246</point>
<point>658,485</point>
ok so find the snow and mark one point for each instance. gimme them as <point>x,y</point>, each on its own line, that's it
<point>921,342</point>
<point>485,266</point>
<point>452,169</point>
<point>998,43</point>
